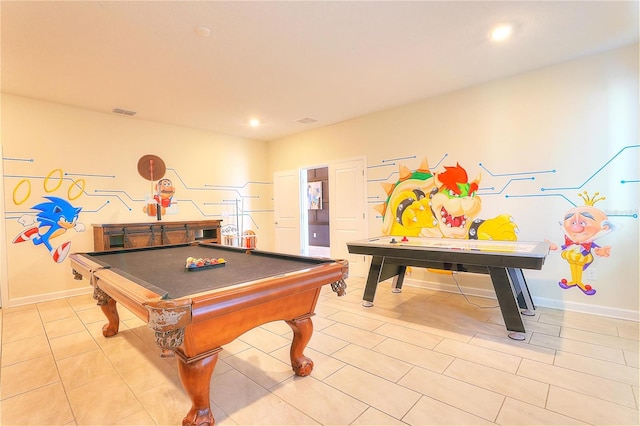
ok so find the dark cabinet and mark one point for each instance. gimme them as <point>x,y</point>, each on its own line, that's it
<point>113,236</point>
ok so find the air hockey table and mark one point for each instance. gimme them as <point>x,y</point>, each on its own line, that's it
<point>503,261</point>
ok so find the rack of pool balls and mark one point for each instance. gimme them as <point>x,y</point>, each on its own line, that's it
<point>194,264</point>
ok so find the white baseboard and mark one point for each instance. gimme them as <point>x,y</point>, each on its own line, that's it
<point>20,301</point>
<point>605,311</point>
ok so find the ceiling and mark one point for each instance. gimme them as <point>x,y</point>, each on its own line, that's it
<point>284,62</point>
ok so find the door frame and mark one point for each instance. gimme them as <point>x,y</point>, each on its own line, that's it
<point>304,217</point>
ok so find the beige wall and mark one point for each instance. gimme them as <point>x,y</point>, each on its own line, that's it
<point>101,151</point>
<point>572,126</point>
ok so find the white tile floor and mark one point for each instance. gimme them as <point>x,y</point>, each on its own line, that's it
<point>416,358</point>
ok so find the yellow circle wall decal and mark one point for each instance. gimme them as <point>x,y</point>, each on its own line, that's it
<point>15,190</point>
<point>46,180</point>
<point>81,183</point>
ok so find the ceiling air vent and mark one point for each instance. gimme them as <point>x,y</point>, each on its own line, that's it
<point>123,111</point>
<point>307,120</point>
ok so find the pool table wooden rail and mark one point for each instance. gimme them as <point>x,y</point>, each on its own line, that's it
<point>269,301</point>
<point>110,286</point>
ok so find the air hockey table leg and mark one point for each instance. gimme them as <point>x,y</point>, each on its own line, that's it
<point>522,291</point>
<point>398,280</point>
<point>507,301</point>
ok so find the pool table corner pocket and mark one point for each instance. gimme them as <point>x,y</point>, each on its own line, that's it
<point>168,319</point>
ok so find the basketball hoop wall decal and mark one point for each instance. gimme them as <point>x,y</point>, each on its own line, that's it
<point>152,168</point>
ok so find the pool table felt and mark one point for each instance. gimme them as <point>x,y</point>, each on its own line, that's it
<point>163,270</point>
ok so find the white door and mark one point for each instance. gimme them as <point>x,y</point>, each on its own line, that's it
<point>347,218</point>
<point>286,211</point>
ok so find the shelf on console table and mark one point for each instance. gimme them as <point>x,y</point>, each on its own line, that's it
<point>112,236</point>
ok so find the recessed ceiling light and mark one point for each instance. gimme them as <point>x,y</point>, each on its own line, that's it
<point>501,32</point>
<point>254,122</point>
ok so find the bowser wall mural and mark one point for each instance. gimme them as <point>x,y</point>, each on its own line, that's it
<point>445,204</point>
<point>582,226</point>
<point>440,205</point>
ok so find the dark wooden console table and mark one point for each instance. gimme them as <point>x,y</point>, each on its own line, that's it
<point>112,236</point>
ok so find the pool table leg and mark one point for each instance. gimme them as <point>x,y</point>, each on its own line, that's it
<point>110,310</point>
<point>302,330</point>
<point>196,380</point>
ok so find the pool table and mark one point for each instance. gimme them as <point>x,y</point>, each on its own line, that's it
<point>194,312</point>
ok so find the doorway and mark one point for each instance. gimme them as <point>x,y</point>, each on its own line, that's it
<point>347,211</point>
<point>317,207</point>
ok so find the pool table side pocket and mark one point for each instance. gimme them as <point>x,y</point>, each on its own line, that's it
<point>224,300</point>
<point>219,318</point>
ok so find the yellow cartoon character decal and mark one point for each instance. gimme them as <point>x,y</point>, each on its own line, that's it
<point>162,198</point>
<point>406,211</point>
<point>442,205</point>
<point>582,226</point>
